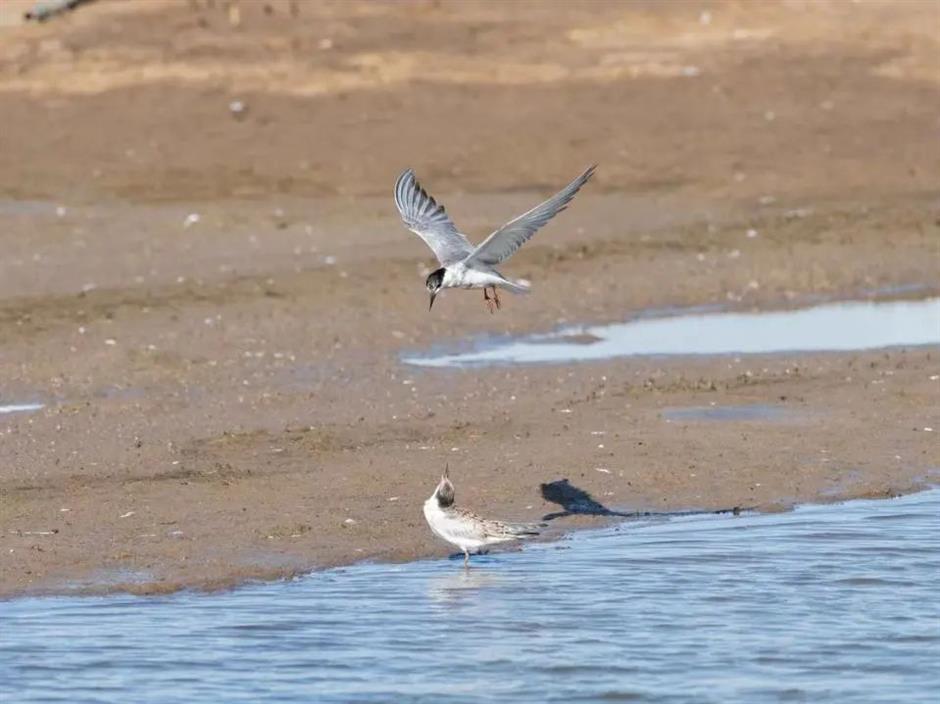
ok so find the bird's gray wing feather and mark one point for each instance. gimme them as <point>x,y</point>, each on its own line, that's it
<point>522,530</point>
<point>503,243</point>
<point>470,525</point>
<point>465,524</point>
<point>423,216</point>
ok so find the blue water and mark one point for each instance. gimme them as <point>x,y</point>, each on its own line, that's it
<point>833,327</point>
<point>836,603</point>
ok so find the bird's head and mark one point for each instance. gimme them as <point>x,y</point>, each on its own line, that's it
<point>434,282</point>
<point>445,490</point>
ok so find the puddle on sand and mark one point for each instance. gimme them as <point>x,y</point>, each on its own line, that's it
<point>824,603</point>
<point>21,407</point>
<point>834,327</point>
<point>760,412</point>
<point>10,208</point>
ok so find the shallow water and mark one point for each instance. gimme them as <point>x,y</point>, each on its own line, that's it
<point>834,327</point>
<point>731,414</point>
<point>20,407</point>
<point>825,603</point>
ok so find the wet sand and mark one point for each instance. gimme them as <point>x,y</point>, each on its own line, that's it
<point>224,396</point>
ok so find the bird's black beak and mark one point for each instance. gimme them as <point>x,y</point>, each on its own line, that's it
<point>433,296</point>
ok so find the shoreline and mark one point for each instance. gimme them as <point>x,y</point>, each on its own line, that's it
<point>218,446</point>
<point>593,523</point>
<point>371,411</point>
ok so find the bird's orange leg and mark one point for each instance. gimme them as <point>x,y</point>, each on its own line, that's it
<point>489,303</point>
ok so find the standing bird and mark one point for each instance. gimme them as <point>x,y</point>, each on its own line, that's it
<point>465,529</point>
<point>465,266</point>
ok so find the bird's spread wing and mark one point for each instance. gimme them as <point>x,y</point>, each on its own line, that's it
<point>423,216</point>
<point>503,243</point>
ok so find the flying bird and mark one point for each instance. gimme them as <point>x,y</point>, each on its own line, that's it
<point>465,529</point>
<point>462,264</point>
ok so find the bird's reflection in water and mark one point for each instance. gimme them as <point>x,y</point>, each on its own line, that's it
<point>458,585</point>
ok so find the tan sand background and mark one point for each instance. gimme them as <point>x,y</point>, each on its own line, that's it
<point>224,395</point>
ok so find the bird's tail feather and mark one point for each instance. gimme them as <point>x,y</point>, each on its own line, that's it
<point>526,530</point>
<point>520,286</point>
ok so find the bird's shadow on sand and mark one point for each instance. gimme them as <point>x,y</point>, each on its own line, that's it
<point>577,502</point>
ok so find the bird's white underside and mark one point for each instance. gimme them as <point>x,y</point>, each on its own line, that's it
<point>459,530</point>
<point>461,276</point>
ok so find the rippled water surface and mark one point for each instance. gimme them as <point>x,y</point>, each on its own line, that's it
<point>826,603</point>
<point>845,326</point>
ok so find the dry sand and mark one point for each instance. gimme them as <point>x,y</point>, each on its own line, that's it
<point>225,398</point>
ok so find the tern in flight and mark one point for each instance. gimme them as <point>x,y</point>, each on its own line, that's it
<point>462,264</point>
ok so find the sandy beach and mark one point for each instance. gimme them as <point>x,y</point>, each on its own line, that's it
<point>206,284</point>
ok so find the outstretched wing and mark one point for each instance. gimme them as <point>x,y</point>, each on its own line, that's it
<point>503,243</point>
<point>423,216</point>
